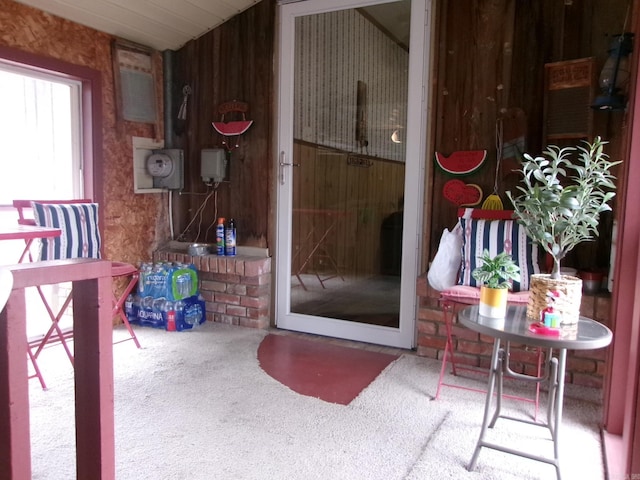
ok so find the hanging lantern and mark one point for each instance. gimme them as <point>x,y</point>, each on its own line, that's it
<point>614,77</point>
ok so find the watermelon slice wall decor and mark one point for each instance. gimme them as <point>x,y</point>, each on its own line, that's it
<point>462,194</point>
<point>460,163</point>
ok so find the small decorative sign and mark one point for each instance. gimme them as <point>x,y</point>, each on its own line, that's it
<point>359,161</point>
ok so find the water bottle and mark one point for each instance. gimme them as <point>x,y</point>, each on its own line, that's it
<point>128,303</point>
<point>179,315</point>
<point>128,306</point>
<point>145,269</point>
<point>158,304</point>
<point>220,236</point>
<point>182,286</point>
<point>230,238</point>
<point>170,316</point>
<point>192,315</point>
<point>147,302</point>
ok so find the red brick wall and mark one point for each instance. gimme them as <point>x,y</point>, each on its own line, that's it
<point>236,290</point>
<point>584,367</point>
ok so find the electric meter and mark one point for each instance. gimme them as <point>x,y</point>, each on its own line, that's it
<point>159,165</point>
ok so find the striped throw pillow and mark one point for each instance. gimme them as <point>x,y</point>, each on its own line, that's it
<point>497,236</point>
<point>78,222</point>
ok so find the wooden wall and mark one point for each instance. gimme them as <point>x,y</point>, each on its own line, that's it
<point>349,201</point>
<point>490,62</point>
<point>233,62</point>
<point>490,57</point>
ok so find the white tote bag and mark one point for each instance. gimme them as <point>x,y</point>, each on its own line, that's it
<point>443,273</point>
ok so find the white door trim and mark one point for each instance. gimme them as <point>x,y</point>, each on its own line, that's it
<point>416,137</point>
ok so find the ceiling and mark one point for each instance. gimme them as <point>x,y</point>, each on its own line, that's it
<point>169,24</point>
<point>159,24</point>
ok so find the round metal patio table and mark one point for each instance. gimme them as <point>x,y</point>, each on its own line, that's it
<point>514,327</point>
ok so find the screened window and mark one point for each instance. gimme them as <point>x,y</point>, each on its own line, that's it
<point>40,135</point>
<point>40,142</point>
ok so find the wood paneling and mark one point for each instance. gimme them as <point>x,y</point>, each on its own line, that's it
<point>355,200</point>
<point>491,57</point>
<point>232,62</point>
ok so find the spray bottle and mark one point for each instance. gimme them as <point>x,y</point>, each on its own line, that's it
<point>230,238</point>
<point>220,234</point>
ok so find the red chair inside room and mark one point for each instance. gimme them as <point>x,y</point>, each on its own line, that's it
<point>496,231</point>
<point>80,238</point>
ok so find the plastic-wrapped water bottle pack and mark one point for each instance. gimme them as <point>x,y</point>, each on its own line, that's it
<point>167,297</point>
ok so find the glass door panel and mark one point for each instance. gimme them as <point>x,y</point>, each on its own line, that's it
<point>343,171</point>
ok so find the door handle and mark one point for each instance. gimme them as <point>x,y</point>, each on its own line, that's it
<point>284,163</point>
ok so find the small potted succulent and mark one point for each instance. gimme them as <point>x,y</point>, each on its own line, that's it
<point>494,274</point>
<point>559,207</point>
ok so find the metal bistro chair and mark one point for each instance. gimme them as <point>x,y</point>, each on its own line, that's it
<point>496,231</point>
<point>80,238</point>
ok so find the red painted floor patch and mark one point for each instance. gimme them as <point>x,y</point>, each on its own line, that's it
<point>318,369</point>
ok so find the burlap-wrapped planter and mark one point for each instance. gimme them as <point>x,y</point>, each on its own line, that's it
<point>567,304</point>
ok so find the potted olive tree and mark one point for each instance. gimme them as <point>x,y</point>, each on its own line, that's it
<point>494,275</point>
<point>559,206</point>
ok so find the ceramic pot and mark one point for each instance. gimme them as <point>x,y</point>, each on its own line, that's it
<point>591,282</point>
<point>493,302</point>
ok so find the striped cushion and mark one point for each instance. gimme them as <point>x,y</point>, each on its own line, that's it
<point>78,222</point>
<point>497,236</point>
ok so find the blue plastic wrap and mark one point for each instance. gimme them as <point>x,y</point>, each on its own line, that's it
<point>167,298</point>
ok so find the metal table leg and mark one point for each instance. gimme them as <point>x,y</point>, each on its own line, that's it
<point>555,373</point>
<point>487,404</point>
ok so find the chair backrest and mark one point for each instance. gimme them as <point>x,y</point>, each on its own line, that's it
<point>77,219</point>
<point>25,208</point>
<point>480,213</point>
<point>496,231</point>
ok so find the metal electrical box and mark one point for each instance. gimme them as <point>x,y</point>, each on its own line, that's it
<point>213,165</point>
<point>166,166</point>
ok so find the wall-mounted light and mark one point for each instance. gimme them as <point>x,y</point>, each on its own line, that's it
<point>614,76</point>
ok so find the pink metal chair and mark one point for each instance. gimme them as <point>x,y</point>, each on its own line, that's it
<point>476,235</point>
<point>55,249</point>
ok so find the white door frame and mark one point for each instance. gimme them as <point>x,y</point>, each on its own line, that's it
<point>416,137</point>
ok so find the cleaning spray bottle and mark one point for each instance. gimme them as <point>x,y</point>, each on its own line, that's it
<point>230,238</point>
<point>220,234</point>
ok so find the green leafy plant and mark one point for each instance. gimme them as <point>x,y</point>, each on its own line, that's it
<point>495,272</point>
<point>561,200</point>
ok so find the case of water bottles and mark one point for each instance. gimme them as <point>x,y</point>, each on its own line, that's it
<point>167,297</point>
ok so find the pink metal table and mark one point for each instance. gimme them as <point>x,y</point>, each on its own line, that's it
<point>28,233</point>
